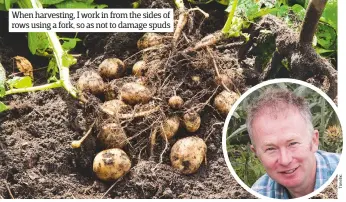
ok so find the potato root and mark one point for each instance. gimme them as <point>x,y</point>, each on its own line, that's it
<point>112,135</point>
<point>176,102</point>
<point>224,101</point>
<point>112,68</point>
<point>192,121</point>
<point>139,68</point>
<point>92,82</point>
<point>111,164</point>
<point>134,93</point>
<point>170,127</point>
<point>148,40</point>
<point>187,154</point>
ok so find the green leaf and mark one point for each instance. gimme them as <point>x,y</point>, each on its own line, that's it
<point>68,60</point>
<point>19,82</point>
<point>78,4</point>
<point>2,90</point>
<point>326,36</point>
<point>330,13</point>
<point>37,41</point>
<point>7,4</point>
<point>69,43</point>
<point>52,70</point>
<point>3,107</point>
<point>50,2</point>
<point>299,11</point>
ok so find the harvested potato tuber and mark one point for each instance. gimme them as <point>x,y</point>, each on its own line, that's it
<point>192,121</point>
<point>111,164</point>
<point>224,79</point>
<point>175,102</point>
<point>112,107</point>
<point>187,154</point>
<point>224,101</point>
<point>170,127</point>
<point>91,81</point>
<point>148,40</point>
<point>139,68</point>
<point>112,68</point>
<point>112,135</point>
<point>134,93</point>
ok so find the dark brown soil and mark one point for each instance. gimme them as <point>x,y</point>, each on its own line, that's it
<point>36,158</point>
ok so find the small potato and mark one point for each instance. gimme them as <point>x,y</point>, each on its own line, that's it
<point>175,102</point>
<point>224,101</point>
<point>91,81</point>
<point>111,164</point>
<point>139,68</point>
<point>148,40</point>
<point>112,135</point>
<point>112,68</point>
<point>187,154</point>
<point>225,79</point>
<point>192,121</point>
<point>134,93</point>
<point>170,127</point>
<point>112,107</point>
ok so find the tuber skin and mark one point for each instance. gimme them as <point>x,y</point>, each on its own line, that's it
<point>112,135</point>
<point>134,93</point>
<point>92,82</point>
<point>148,40</point>
<point>112,68</point>
<point>187,154</point>
<point>176,102</point>
<point>224,101</point>
<point>139,68</point>
<point>170,127</point>
<point>111,164</point>
<point>192,121</point>
<point>112,107</point>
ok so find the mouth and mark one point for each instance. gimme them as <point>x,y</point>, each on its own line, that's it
<point>287,172</point>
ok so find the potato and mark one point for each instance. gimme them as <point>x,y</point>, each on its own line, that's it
<point>112,107</point>
<point>91,81</point>
<point>170,127</point>
<point>187,154</point>
<point>111,164</point>
<point>175,102</point>
<point>134,93</point>
<point>192,121</point>
<point>224,101</point>
<point>112,68</point>
<point>148,40</point>
<point>225,79</point>
<point>139,68</point>
<point>112,135</point>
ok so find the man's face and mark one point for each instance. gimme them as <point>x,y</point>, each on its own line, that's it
<point>285,147</point>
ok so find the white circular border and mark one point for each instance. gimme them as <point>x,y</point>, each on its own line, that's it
<point>234,107</point>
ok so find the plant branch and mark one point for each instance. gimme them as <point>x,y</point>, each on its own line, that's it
<point>57,84</point>
<point>228,23</point>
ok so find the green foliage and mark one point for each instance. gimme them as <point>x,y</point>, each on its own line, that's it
<point>3,107</point>
<point>324,120</point>
<point>19,82</point>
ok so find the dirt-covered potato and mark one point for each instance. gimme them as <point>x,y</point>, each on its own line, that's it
<point>175,102</point>
<point>111,164</point>
<point>170,127</point>
<point>112,107</point>
<point>224,101</point>
<point>192,121</point>
<point>149,39</point>
<point>112,135</point>
<point>112,68</point>
<point>187,154</point>
<point>92,82</point>
<point>139,68</point>
<point>134,93</point>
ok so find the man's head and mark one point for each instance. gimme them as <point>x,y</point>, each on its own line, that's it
<point>282,135</point>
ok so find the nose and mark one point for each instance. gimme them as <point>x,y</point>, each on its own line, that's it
<point>285,157</point>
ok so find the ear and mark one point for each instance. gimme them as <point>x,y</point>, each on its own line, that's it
<point>253,149</point>
<point>315,141</point>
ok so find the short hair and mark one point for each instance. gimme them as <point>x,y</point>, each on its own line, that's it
<point>277,99</point>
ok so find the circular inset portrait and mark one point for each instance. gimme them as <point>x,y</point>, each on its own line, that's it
<point>283,139</point>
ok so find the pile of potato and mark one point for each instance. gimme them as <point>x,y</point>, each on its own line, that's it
<point>186,155</point>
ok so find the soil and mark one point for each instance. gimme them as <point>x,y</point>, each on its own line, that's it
<point>36,158</point>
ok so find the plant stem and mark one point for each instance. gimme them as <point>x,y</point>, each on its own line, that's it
<point>57,84</point>
<point>180,4</point>
<point>228,23</point>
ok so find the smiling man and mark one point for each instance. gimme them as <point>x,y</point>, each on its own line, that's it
<point>283,138</point>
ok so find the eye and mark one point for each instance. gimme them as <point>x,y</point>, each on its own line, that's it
<point>270,149</point>
<point>293,143</point>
